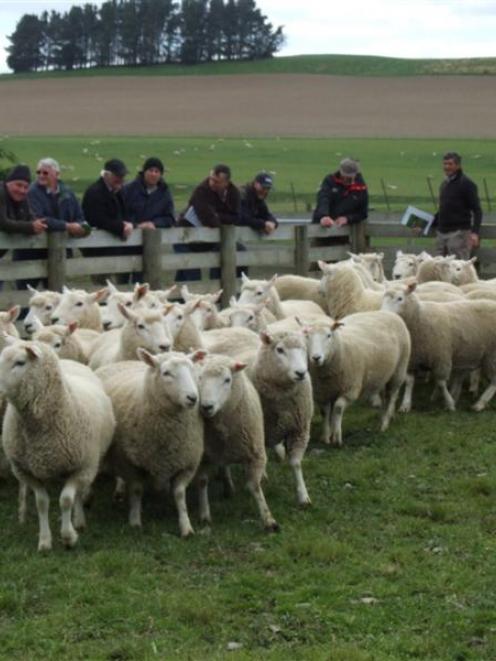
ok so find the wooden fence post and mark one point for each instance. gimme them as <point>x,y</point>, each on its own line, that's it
<point>152,257</point>
<point>227,263</point>
<point>358,237</point>
<point>302,259</point>
<point>56,260</point>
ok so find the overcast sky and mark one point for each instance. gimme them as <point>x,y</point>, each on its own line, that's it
<point>398,28</point>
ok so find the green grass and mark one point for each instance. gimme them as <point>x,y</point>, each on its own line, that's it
<point>396,560</point>
<point>337,65</point>
<point>404,165</point>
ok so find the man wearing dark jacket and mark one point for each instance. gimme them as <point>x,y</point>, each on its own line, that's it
<point>459,217</point>
<point>148,198</point>
<point>254,210</point>
<point>214,202</point>
<point>343,197</point>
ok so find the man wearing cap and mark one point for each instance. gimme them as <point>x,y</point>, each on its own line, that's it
<point>148,199</point>
<point>103,204</point>
<point>15,213</point>
<point>342,198</point>
<point>51,199</point>
<point>254,210</point>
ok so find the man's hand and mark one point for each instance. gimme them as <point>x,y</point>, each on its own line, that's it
<point>341,220</point>
<point>75,229</point>
<point>128,229</point>
<point>270,226</point>
<point>417,231</point>
<point>39,225</point>
<point>326,221</point>
<point>475,240</point>
<point>146,225</point>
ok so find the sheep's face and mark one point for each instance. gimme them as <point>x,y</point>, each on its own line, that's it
<point>16,360</point>
<point>215,380</point>
<point>54,336</point>
<point>174,319</point>
<point>255,291</point>
<point>405,266</point>
<point>174,375</point>
<point>328,273</point>
<point>41,306</point>
<point>374,264</point>
<point>201,312</point>
<point>7,326</point>
<point>75,304</point>
<point>109,309</point>
<point>288,355</point>
<point>395,300</point>
<point>319,343</point>
<point>149,330</point>
<point>462,272</point>
<point>246,316</point>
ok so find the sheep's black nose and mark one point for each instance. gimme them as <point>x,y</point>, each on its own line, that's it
<point>316,358</point>
<point>192,398</point>
<point>166,347</point>
<point>54,320</point>
<point>300,375</point>
<point>107,325</point>
<point>207,408</point>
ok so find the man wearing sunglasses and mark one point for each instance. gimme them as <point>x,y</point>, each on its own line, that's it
<point>52,200</point>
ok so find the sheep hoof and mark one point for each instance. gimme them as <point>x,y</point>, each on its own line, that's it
<point>45,545</point>
<point>272,527</point>
<point>479,406</point>
<point>187,533</point>
<point>305,504</point>
<point>405,408</point>
<point>69,539</point>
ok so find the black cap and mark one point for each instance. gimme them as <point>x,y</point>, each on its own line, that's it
<point>264,179</point>
<point>153,162</point>
<point>116,166</point>
<point>19,173</point>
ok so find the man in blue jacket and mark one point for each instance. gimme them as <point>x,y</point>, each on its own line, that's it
<point>148,199</point>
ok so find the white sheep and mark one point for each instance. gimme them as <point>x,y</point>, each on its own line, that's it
<point>373,262</point>
<point>234,429</point>
<point>63,340</point>
<point>463,271</point>
<point>254,316</point>
<point>279,371</point>
<point>77,305</point>
<point>256,291</point>
<point>159,431</point>
<point>435,268</point>
<point>143,328</point>
<point>7,323</point>
<point>58,425</point>
<point>405,265</point>
<point>360,356</point>
<point>299,287</point>
<point>41,306</point>
<point>345,292</point>
<point>447,337</point>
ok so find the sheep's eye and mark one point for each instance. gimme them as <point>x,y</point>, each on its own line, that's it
<point>129,304</point>
<point>280,350</point>
<point>79,304</point>
<point>180,317</point>
<point>48,307</point>
<point>19,363</point>
<point>227,379</point>
<point>103,304</point>
<point>166,373</point>
<point>328,336</point>
<point>259,293</point>
<point>58,345</point>
<point>141,326</point>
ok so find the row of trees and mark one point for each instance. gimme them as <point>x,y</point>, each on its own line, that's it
<point>142,32</point>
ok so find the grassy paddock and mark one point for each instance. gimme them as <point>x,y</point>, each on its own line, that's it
<point>298,164</point>
<point>396,560</point>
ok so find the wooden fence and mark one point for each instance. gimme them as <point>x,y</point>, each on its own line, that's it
<point>293,248</point>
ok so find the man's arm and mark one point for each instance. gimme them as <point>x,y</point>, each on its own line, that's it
<point>166,217</point>
<point>204,210</point>
<point>473,203</point>
<point>362,210</point>
<point>97,215</point>
<point>323,201</point>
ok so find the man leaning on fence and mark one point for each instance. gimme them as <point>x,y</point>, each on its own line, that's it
<point>343,197</point>
<point>459,216</point>
<point>254,210</point>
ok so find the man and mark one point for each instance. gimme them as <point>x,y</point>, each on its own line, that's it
<point>459,217</point>
<point>51,199</point>
<point>148,198</point>
<point>104,207</point>
<point>254,210</point>
<point>343,197</point>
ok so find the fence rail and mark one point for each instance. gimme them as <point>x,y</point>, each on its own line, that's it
<point>293,248</point>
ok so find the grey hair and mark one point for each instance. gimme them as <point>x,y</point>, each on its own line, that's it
<point>49,163</point>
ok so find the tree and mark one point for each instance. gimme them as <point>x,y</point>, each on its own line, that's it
<point>25,52</point>
<point>194,16</point>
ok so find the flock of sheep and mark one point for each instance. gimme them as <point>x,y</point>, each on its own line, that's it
<point>155,391</point>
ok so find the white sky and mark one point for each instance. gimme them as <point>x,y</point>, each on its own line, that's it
<point>398,28</point>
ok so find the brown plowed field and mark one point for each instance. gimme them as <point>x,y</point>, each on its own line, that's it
<point>252,105</point>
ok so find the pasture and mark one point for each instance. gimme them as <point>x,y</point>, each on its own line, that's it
<point>298,164</point>
<point>395,560</point>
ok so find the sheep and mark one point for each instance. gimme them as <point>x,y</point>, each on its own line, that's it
<point>255,291</point>
<point>143,328</point>
<point>7,324</point>
<point>361,355</point>
<point>405,265</point>
<point>254,316</point>
<point>463,271</point>
<point>63,340</point>
<point>234,429</point>
<point>298,287</point>
<point>41,305</point>
<point>279,372</point>
<point>488,293</point>
<point>109,306</point>
<point>372,262</point>
<point>58,425</point>
<point>344,291</point>
<point>447,337</point>
<point>435,268</point>
<point>159,431</point>
<point>79,306</point>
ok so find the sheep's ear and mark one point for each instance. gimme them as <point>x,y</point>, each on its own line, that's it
<point>126,312</point>
<point>108,291</point>
<point>215,298</point>
<point>99,295</point>
<point>169,291</point>
<point>354,257</point>
<point>8,339</point>
<point>14,312</point>
<point>186,294</point>
<point>411,286</point>
<point>198,356</point>
<point>33,351</point>
<point>167,308</point>
<point>272,281</point>
<point>65,289</point>
<point>146,357</point>
<point>399,253</point>
<point>322,265</point>
<point>32,289</point>
<point>72,327</point>
<point>244,277</point>
<point>111,287</point>
<point>298,321</point>
<point>141,290</point>
<point>265,337</point>
<point>473,260</point>
<point>232,302</point>
<point>337,324</point>
<point>450,258</point>
<point>238,367</point>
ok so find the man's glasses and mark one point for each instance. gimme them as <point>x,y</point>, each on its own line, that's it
<point>42,172</point>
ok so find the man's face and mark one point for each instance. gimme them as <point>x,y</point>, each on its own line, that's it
<point>260,190</point>
<point>114,181</point>
<point>218,182</point>
<point>18,190</point>
<point>152,176</point>
<point>46,175</point>
<point>348,178</point>
<point>450,167</point>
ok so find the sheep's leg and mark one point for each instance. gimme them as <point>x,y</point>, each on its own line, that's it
<point>204,505</point>
<point>22,502</point>
<point>135,497</point>
<point>375,400</point>
<point>227,482</point>
<point>42,506</point>
<point>406,404</point>
<point>486,396</point>
<point>295,457</point>
<point>326,424</point>
<point>67,498</point>
<point>280,451</point>
<point>79,515</point>
<point>475,377</point>
<point>180,484</point>
<point>336,435</point>
<point>456,386</point>
<point>254,475</point>
<point>389,412</point>
<point>119,490</point>
<point>448,399</point>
